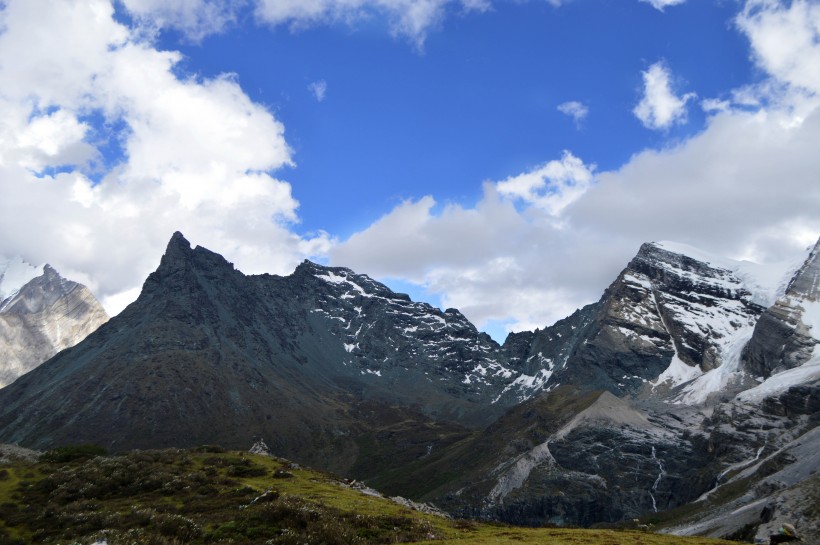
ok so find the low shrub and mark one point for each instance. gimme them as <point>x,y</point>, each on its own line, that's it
<point>71,453</point>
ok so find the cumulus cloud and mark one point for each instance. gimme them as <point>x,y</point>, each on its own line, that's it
<point>659,107</point>
<point>552,186</point>
<point>661,4</point>
<point>744,187</point>
<point>408,18</point>
<point>196,18</point>
<point>576,110</point>
<point>491,261</point>
<point>785,40</point>
<point>197,155</point>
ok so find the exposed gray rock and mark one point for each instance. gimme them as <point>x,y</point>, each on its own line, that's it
<point>320,362</point>
<point>261,448</point>
<point>783,337</point>
<point>12,453</point>
<point>664,305</point>
<point>47,315</point>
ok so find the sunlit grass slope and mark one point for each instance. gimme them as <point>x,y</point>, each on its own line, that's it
<point>210,496</point>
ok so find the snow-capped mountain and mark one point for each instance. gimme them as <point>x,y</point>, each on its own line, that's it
<point>41,313</point>
<point>669,325</point>
<point>691,370</point>
<point>690,417</point>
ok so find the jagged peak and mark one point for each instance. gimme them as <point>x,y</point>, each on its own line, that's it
<point>806,281</point>
<point>177,254</point>
<point>670,251</point>
<point>310,267</point>
<point>177,243</point>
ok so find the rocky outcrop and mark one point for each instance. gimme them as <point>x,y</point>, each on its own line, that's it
<point>786,335</point>
<point>770,455</point>
<point>664,307</point>
<point>46,315</point>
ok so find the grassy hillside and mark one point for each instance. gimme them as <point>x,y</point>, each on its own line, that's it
<point>210,496</point>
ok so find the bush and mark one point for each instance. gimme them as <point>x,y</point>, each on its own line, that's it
<point>71,453</point>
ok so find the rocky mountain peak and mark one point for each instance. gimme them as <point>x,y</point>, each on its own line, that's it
<point>788,333</point>
<point>47,314</point>
<point>806,282</point>
<point>40,293</point>
<point>177,253</point>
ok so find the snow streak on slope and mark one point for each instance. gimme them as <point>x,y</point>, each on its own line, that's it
<point>370,319</point>
<point>716,380</point>
<point>703,307</point>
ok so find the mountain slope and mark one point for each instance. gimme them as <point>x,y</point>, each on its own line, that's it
<point>315,362</point>
<point>46,314</point>
<point>666,319</point>
<point>335,370</point>
<point>667,338</point>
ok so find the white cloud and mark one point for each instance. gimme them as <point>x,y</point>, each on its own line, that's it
<point>409,18</point>
<point>744,187</point>
<point>576,110</point>
<point>53,139</point>
<point>659,107</point>
<point>318,89</point>
<point>552,186</point>
<point>196,18</point>
<point>661,4</point>
<point>785,40</point>
<point>198,155</point>
<point>490,261</point>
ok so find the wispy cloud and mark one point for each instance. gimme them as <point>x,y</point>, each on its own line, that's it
<point>576,110</point>
<point>195,18</point>
<point>406,18</point>
<point>552,186</point>
<point>661,4</point>
<point>660,107</point>
<point>318,89</point>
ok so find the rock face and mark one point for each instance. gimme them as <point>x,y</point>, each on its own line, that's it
<point>786,335</point>
<point>46,315</point>
<point>326,365</point>
<point>665,311</point>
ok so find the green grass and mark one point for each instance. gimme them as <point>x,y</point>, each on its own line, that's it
<point>199,496</point>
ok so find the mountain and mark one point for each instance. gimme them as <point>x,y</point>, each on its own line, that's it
<point>666,319</point>
<point>650,378</point>
<point>41,313</point>
<point>319,363</point>
<point>672,392</point>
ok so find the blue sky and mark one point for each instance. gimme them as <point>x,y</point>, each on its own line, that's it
<point>506,158</point>
<point>477,101</point>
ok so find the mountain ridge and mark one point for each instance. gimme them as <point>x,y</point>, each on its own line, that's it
<point>333,369</point>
